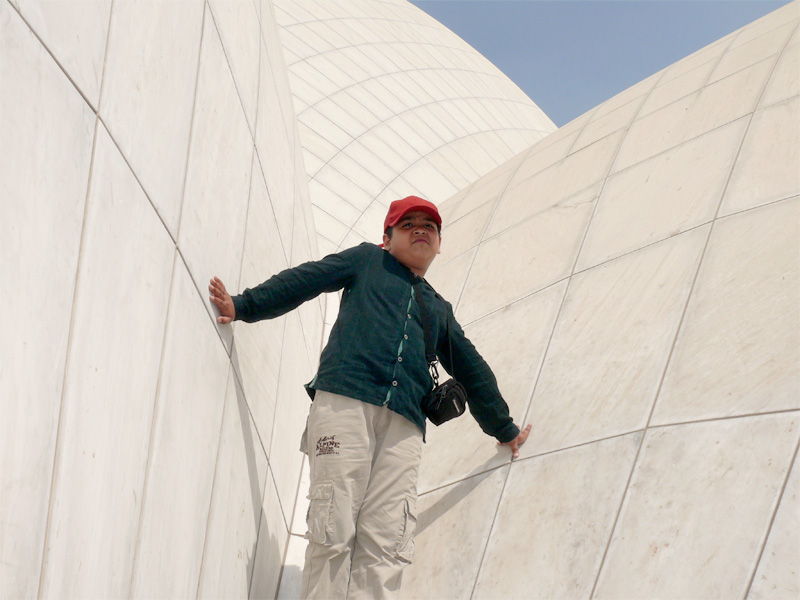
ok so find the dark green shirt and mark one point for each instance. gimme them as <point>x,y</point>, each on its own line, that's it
<point>376,349</point>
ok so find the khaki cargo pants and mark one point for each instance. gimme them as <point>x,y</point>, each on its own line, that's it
<point>362,514</point>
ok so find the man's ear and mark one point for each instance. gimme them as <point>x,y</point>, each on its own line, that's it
<point>439,251</point>
<point>386,241</point>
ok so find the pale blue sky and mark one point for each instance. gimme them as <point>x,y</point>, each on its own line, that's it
<point>571,55</point>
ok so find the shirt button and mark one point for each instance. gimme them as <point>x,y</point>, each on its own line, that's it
<point>399,359</point>
<point>405,336</point>
<point>394,383</point>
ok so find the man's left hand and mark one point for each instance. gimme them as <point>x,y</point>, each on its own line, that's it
<point>517,441</point>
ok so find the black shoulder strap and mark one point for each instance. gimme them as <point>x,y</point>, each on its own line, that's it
<point>430,343</point>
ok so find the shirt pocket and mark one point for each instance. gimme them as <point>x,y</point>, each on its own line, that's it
<point>319,521</point>
<point>408,527</point>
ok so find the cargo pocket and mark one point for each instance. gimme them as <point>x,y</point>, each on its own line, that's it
<point>405,540</point>
<point>320,524</point>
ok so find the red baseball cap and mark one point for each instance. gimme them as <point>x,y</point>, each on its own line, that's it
<point>399,208</point>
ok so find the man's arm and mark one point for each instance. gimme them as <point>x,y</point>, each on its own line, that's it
<point>288,289</point>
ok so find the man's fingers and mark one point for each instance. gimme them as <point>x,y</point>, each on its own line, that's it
<point>223,320</point>
<point>217,287</point>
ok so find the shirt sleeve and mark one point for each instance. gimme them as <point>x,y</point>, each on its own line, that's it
<point>288,289</point>
<point>468,367</point>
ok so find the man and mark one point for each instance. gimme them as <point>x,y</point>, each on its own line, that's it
<point>366,428</point>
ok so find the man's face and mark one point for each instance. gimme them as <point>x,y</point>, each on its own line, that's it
<point>415,241</point>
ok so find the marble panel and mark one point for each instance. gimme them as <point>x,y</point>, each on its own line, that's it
<point>765,24</point>
<point>343,187</point>
<point>265,251</point>
<point>257,349</point>
<point>675,537</point>
<point>784,82</point>
<point>353,239</point>
<point>675,88</point>
<point>470,199</point>
<point>370,223</point>
<point>448,278</point>
<point>75,32</point>
<point>317,42</point>
<point>711,107</point>
<point>239,30</point>
<point>297,46</point>
<point>382,150</point>
<point>744,55</point>
<point>777,575</point>
<point>299,526</point>
<point>513,342</point>
<point>412,137</point>
<point>328,226</point>
<point>45,156</point>
<point>708,55</point>
<point>277,58</point>
<point>761,175</point>
<point>312,162</point>
<point>545,154</point>
<point>474,150</point>
<point>358,172</point>
<point>376,167</point>
<point>574,126</point>
<point>326,246</point>
<point>218,172</point>
<point>745,300</point>
<point>423,176</point>
<point>273,538</point>
<point>291,412</point>
<point>357,108</point>
<point>306,72</point>
<point>388,136</point>
<point>526,258</point>
<point>335,199</point>
<point>605,124</point>
<point>235,515</point>
<point>148,93</point>
<point>458,173</point>
<point>275,151</point>
<point>183,450</point>
<point>292,574</point>
<point>118,325</point>
<point>636,91</point>
<point>452,521</point>
<point>316,144</point>
<point>561,509</point>
<point>555,184</point>
<point>611,345</point>
<point>464,234</point>
<point>340,115</point>
<point>311,312</point>
<point>663,196</point>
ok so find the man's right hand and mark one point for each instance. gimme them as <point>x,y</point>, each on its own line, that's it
<point>222,299</point>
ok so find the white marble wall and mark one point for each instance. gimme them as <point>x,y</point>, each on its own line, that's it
<point>391,103</point>
<point>146,451</point>
<point>634,279</point>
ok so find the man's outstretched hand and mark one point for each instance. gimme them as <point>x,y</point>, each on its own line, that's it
<point>223,301</point>
<point>517,441</point>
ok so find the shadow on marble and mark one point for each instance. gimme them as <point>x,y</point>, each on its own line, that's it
<point>453,524</point>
